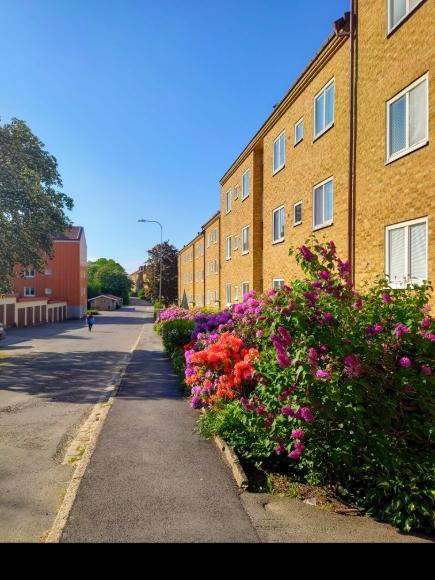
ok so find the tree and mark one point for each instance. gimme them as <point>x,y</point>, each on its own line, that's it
<point>31,206</point>
<point>110,277</point>
<point>169,273</point>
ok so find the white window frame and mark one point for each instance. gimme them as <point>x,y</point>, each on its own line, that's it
<point>236,293</point>
<point>277,282</point>
<point>409,148</point>
<point>216,295</point>
<point>49,290</point>
<point>228,294</point>
<point>216,269</point>
<point>326,127</point>
<point>29,291</point>
<point>202,248</point>
<point>391,27</point>
<point>49,272</point>
<point>245,250</point>
<point>215,235</point>
<point>29,273</point>
<point>406,225</point>
<point>244,194</point>
<point>281,144</point>
<point>228,201</point>
<point>327,222</point>
<point>295,223</point>
<point>297,124</point>
<point>208,240</point>
<point>228,248</point>
<point>236,243</point>
<point>244,284</point>
<point>236,192</point>
<point>202,274</point>
<point>208,296</point>
<point>279,239</point>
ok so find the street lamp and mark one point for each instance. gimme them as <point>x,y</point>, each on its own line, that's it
<point>161,252</point>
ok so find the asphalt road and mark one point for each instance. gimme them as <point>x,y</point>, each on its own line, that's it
<point>152,478</point>
<point>51,377</point>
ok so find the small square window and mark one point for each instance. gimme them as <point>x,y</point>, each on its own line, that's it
<point>29,273</point>
<point>236,243</point>
<point>278,225</point>
<point>245,184</point>
<point>299,131</point>
<point>277,283</point>
<point>29,291</point>
<point>279,153</point>
<point>324,109</point>
<point>236,192</point>
<point>245,240</point>
<point>48,290</point>
<point>48,272</point>
<point>297,213</point>
<point>323,204</point>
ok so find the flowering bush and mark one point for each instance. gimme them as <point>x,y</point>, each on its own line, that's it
<point>345,386</point>
<point>175,313</point>
<point>219,368</point>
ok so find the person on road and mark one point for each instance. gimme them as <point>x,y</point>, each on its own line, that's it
<point>90,322</point>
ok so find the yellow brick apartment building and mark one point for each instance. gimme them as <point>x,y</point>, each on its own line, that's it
<point>344,156</point>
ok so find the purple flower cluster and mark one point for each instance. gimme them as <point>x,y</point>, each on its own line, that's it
<point>281,343</point>
<point>211,322</point>
<point>353,367</point>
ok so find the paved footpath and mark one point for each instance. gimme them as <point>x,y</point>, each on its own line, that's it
<point>152,478</point>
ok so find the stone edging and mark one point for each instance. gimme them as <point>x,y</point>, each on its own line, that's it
<point>87,439</point>
<point>233,460</point>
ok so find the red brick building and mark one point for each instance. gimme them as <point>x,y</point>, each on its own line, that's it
<point>65,277</point>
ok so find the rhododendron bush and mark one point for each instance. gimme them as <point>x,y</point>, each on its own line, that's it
<point>338,382</point>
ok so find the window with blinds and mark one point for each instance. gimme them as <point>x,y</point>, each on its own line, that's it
<point>245,184</point>
<point>228,248</point>
<point>279,153</point>
<point>228,201</point>
<point>323,204</point>
<point>297,213</point>
<point>407,120</point>
<point>245,240</point>
<point>406,253</point>
<point>278,225</point>
<point>228,294</point>
<point>324,109</point>
<point>398,10</point>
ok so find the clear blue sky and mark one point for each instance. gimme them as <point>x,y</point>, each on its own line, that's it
<point>146,103</point>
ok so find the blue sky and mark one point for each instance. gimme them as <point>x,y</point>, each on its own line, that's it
<point>146,103</point>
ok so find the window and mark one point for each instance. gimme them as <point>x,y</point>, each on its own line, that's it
<point>245,185</point>
<point>245,240</point>
<point>279,153</point>
<point>48,273</point>
<point>48,290</point>
<point>29,273</point>
<point>208,296</point>
<point>297,213</point>
<point>215,235</point>
<point>322,204</point>
<point>197,300</point>
<point>208,240</point>
<point>277,282</point>
<point>278,225</point>
<point>324,109</point>
<point>29,291</point>
<point>398,10</point>
<point>406,253</point>
<point>245,288</point>
<point>202,275</point>
<point>216,295</point>
<point>202,248</point>
<point>236,292</point>
<point>227,294</point>
<point>228,201</point>
<point>228,248</point>
<point>407,120</point>
<point>236,192</point>
<point>202,299</point>
<point>207,269</point>
<point>299,131</point>
<point>215,266</point>
<point>236,243</point>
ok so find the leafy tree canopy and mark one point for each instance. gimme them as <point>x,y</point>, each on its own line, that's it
<point>169,273</point>
<point>31,205</point>
<point>107,276</point>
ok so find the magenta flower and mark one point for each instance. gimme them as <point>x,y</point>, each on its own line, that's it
<point>430,336</point>
<point>358,304</point>
<point>378,328</point>
<point>425,323</point>
<point>288,411</point>
<point>325,275</point>
<point>327,319</point>
<point>259,333</point>
<point>294,454</point>
<point>316,284</point>
<point>426,370</point>
<point>321,374</point>
<point>298,434</point>
<point>299,446</point>
<point>386,298</point>
<point>306,414</point>
<point>404,361</point>
<point>306,253</point>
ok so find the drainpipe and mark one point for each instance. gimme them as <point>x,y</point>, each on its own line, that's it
<point>338,25</point>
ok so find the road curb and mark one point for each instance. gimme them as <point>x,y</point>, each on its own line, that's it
<point>87,438</point>
<point>233,460</point>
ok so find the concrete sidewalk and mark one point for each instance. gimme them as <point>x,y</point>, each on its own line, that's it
<point>151,478</point>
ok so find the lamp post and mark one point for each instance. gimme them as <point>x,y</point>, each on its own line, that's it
<point>161,252</point>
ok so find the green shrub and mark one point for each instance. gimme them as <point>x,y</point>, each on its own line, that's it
<point>94,312</point>
<point>177,333</point>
